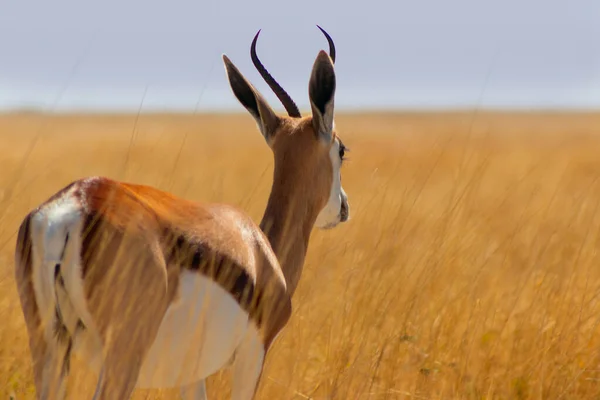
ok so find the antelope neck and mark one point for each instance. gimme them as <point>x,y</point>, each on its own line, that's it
<point>287,223</point>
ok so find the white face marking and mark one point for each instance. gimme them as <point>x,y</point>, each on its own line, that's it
<point>331,214</point>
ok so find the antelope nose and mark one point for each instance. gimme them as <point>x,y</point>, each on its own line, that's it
<point>345,211</point>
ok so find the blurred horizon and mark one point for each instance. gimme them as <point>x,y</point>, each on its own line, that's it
<point>166,57</point>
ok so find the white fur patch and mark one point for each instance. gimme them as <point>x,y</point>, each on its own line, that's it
<point>198,335</point>
<point>50,227</point>
<point>330,215</point>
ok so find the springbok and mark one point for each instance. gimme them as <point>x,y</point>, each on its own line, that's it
<point>152,290</point>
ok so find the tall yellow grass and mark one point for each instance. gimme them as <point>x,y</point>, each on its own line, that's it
<point>469,270</point>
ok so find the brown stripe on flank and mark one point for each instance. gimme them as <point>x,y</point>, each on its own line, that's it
<point>128,227</point>
<point>102,241</point>
<point>252,296</point>
<point>195,256</point>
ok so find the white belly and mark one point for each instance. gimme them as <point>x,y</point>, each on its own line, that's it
<point>197,337</point>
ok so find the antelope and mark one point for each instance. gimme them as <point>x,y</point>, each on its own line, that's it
<point>138,282</point>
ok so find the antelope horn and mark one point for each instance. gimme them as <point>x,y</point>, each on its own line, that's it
<point>286,100</point>
<point>331,44</point>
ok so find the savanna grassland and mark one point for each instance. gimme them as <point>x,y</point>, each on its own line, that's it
<point>469,270</point>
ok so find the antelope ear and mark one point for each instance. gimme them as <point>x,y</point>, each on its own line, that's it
<point>252,100</point>
<point>321,90</point>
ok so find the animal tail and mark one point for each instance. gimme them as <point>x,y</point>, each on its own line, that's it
<point>51,231</point>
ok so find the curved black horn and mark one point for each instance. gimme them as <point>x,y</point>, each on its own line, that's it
<point>331,45</point>
<point>286,100</point>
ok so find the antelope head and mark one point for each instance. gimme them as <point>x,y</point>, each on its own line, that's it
<point>307,150</point>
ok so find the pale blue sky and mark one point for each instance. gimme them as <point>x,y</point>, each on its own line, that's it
<point>64,54</point>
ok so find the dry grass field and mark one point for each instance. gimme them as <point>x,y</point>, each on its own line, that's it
<point>470,268</point>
